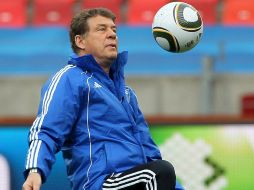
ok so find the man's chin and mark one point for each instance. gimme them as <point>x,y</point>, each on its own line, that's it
<point>113,56</point>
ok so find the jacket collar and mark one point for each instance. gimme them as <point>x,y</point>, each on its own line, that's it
<point>115,82</point>
<point>88,63</point>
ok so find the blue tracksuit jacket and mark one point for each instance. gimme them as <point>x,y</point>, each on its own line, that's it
<point>94,120</point>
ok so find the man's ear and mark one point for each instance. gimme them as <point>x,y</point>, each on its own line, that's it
<point>80,42</point>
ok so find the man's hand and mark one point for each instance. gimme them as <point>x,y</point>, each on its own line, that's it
<point>33,182</point>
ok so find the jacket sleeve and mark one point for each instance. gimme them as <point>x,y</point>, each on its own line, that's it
<point>57,113</point>
<point>150,148</point>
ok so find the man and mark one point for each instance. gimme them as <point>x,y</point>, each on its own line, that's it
<point>88,113</point>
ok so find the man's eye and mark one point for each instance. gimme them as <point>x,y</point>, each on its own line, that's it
<point>101,29</point>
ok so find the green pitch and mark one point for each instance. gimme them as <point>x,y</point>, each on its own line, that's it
<point>231,157</point>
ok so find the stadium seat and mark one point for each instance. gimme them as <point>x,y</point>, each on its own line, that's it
<point>52,12</point>
<point>13,13</point>
<point>207,10</point>
<point>238,12</point>
<point>113,5</point>
<point>142,12</point>
<point>248,105</point>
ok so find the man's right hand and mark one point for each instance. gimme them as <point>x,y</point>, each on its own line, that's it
<point>33,182</point>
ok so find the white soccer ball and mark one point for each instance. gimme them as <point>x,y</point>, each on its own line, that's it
<point>177,27</point>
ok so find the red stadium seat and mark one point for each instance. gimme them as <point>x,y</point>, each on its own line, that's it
<point>207,10</point>
<point>13,13</point>
<point>52,12</point>
<point>113,5</point>
<point>142,12</point>
<point>238,12</point>
<point>248,105</point>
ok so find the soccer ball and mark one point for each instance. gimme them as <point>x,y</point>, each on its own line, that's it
<point>177,27</point>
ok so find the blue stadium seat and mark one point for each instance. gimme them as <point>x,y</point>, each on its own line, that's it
<point>163,64</point>
<point>45,49</point>
<point>237,63</point>
<point>33,50</point>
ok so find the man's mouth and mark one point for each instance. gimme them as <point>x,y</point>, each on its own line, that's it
<point>111,45</point>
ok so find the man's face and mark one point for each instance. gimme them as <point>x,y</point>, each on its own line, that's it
<point>101,40</point>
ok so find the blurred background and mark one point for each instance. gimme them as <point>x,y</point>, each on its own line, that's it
<point>199,104</point>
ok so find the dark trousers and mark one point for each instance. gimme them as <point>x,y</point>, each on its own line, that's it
<point>156,175</point>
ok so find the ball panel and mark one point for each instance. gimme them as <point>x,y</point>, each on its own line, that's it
<point>173,44</point>
<point>182,12</point>
<point>163,42</point>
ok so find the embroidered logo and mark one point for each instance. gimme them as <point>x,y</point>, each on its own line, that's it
<point>96,85</point>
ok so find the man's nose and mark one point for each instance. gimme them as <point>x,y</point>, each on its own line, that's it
<point>112,34</point>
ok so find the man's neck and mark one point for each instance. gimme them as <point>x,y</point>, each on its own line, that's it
<point>105,64</point>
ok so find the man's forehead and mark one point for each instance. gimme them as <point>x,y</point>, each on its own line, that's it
<point>101,21</point>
